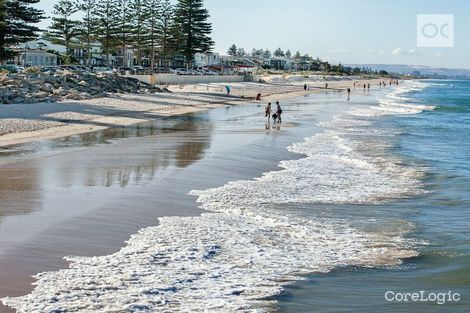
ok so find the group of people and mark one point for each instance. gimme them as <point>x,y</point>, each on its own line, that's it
<point>276,116</point>
<point>392,82</point>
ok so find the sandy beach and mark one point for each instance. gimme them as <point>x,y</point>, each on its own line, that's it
<point>21,123</point>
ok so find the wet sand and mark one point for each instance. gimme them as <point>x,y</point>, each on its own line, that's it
<point>86,194</point>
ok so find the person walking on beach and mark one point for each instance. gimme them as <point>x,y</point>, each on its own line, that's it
<point>368,86</point>
<point>278,112</point>
<point>326,85</point>
<point>308,87</point>
<point>305,87</point>
<point>349,93</point>
<point>228,90</point>
<point>267,111</point>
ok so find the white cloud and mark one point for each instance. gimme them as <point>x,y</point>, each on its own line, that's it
<point>339,50</point>
<point>400,51</point>
<point>411,51</point>
<point>372,51</point>
<point>396,51</point>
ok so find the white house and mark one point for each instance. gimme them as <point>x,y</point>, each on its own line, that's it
<point>30,57</point>
<point>206,59</point>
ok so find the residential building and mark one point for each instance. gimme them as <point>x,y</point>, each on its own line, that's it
<point>206,59</point>
<point>29,57</point>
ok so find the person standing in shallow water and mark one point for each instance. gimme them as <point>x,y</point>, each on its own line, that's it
<point>278,112</point>
<point>267,111</point>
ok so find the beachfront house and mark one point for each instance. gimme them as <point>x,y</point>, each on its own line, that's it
<point>206,59</point>
<point>33,57</point>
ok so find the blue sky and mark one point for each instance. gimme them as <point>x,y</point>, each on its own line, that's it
<point>347,31</point>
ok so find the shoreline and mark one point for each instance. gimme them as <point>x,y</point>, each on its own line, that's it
<point>243,94</point>
<point>342,104</point>
<point>72,237</point>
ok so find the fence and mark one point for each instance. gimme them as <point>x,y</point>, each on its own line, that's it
<point>174,79</point>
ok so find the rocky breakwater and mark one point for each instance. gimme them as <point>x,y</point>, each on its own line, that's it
<point>42,87</point>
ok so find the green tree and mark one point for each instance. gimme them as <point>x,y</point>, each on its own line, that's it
<point>152,27</point>
<point>89,24</point>
<point>297,55</point>
<point>267,54</point>
<point>125,27</point>
<point>64,29</point>
<point>232,50</point>
<point>168,30</point>
<point>191,19</point>
<point>258,53</point>
<point>241,52</point>
<point>139,16</point>
<point>16,24</point>
<point>107,26</point>
<point>278,52</point>
<point>288,54</point>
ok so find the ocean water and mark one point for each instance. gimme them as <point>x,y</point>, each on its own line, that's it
<point>436,140</point>
<point>377,200</point>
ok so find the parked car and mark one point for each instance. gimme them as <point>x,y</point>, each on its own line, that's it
<point>104,70</point>
<point>212,72</point>
<point>162,70</point>
<point>183,71</point>
<point>198,72</point>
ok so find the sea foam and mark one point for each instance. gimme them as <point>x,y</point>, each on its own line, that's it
<point>242,253</point>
